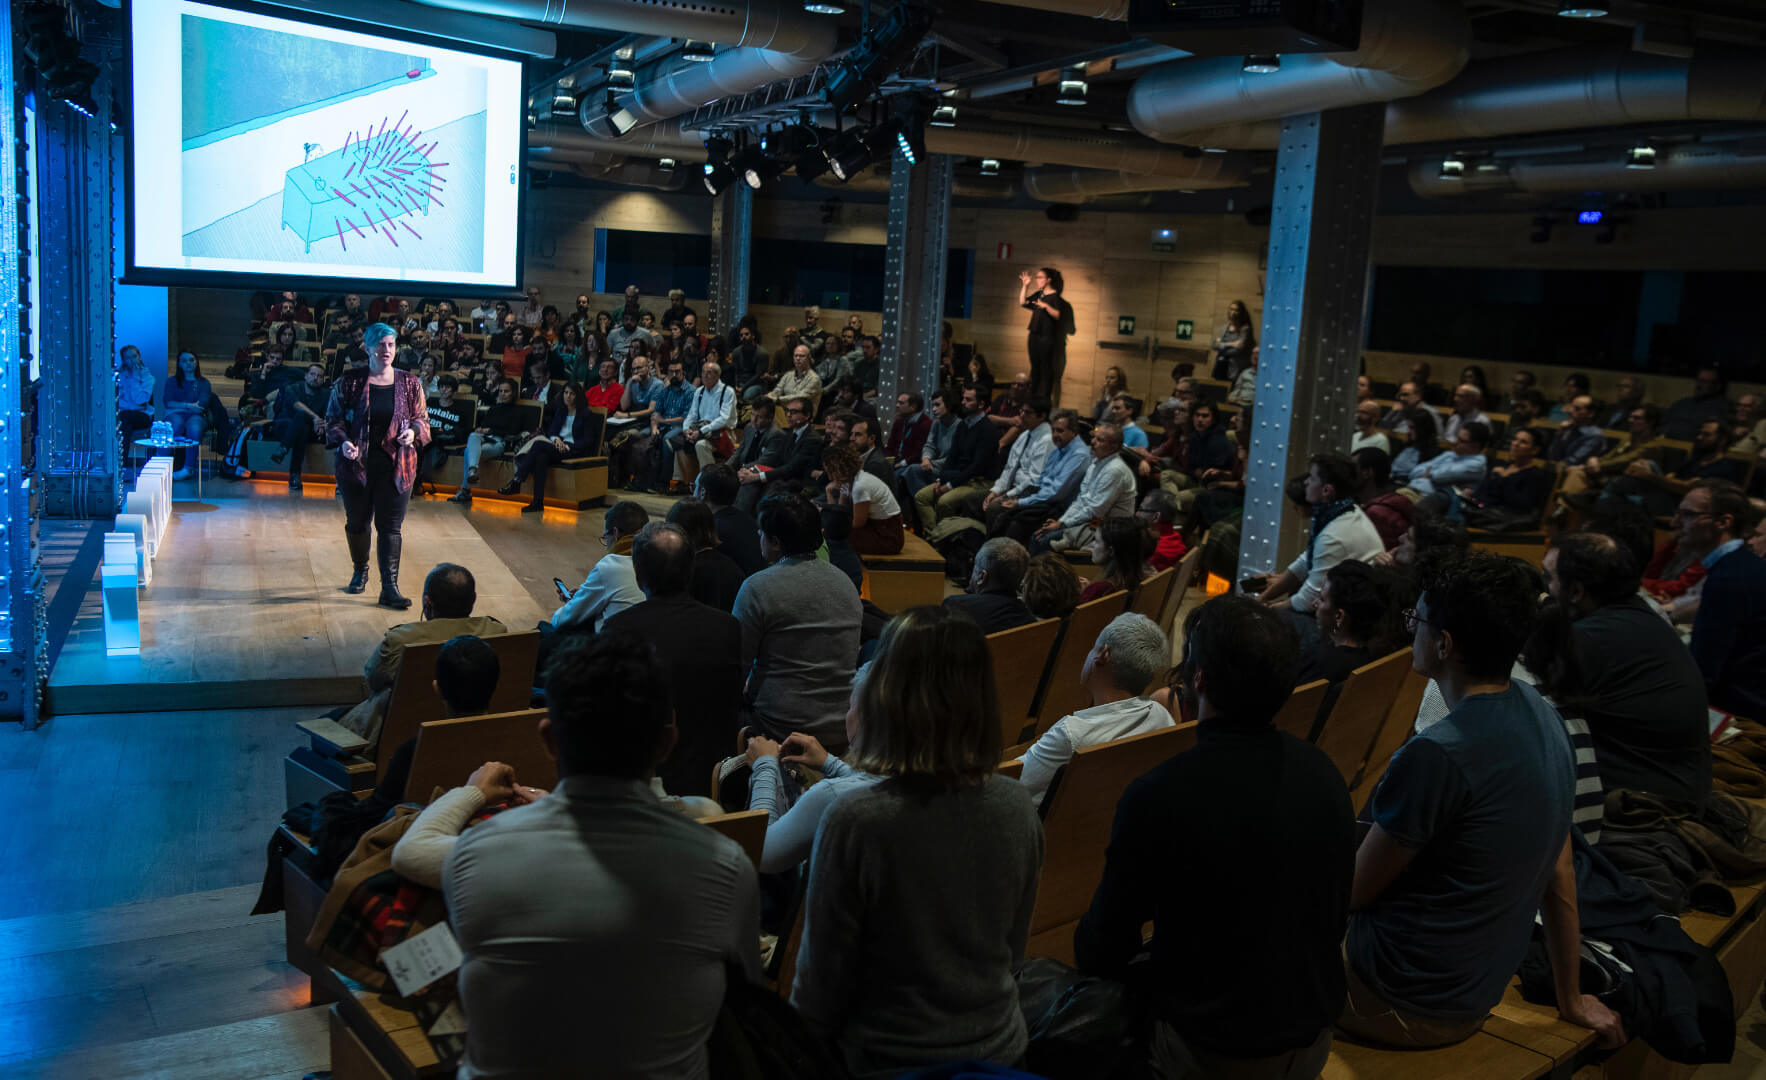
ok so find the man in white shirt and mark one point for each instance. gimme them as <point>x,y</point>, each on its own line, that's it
<point>1024,462</point>
<point>532,312</point>
<point>612,584</point>
<point>1128,656</point>
<point>1467,409</point>
<point>1368,435</point>
<point>706,429</point>
<point>1106,491</point>
<point>1341,532</point>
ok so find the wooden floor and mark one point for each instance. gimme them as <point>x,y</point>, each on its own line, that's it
<point>246,608</point>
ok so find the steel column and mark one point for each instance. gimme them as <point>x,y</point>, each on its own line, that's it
<point>732,227</point>
<point>1326,178</point>
<point>916,262</point>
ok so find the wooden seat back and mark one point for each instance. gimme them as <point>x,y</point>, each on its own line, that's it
<point>1064,693</point>
<point>1180,587</point>
<point>1013,768</point>
<point>414,699</point>
<point>1021,659</point>
<point>448,751</point>
<point>1078,811</point>
<point>1149,599</point>
<point>1400,720</point>
<point>1301,710</point>
<point>1360,712</point>
<point>745,827</point>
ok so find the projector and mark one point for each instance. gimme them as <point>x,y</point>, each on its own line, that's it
<point>1242,27</point>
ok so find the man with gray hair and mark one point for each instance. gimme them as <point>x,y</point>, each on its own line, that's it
<point>1130,653</point>
<point>992,600</point>
<point>1106,492</point>
<point>1468,402</point>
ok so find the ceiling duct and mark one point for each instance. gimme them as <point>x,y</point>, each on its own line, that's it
<point>1694,166</point>
<point>666,139</point>
<point>769,40</point>
<point>1077,147</point>
<point>1083,185</point>
<point>1113,10</point>
<point>1407,47</point>
<point>876,178</point>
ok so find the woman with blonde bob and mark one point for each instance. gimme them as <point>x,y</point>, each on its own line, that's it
<point>921,885</point>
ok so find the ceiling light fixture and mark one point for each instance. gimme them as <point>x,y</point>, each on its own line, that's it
<point>1570,9</point>
<point>823,7</point>
<point>1640,157</point>
<point>698,51</point>
<point>944,116</point>
<point>620,77</point>
<point>1453,168</point>
<point>1073,87</point>
<point>1262,64</point>
<point>666,164</point>
<point>990,166</point>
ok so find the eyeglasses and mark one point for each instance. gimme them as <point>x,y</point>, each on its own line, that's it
<point>1683,514</point>
<point>1412,618</point>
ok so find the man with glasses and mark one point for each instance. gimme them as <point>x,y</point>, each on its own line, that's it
<point>1468,834</point>
<point>612,584</point>
<point>1579,437</point>
<point>1729,632</point>
<point>802,455</point>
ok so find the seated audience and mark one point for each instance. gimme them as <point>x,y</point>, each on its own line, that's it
<point>1244,388</point>
<point>698,646</point>
<point>448,420</point>
<point>668,418</point>
<point>1053,488</point>
<point>1729,633</point>
<point>1468,830</point>
<point>791,826</point>
<point>1468,408</point>
<point>914,472</point>
<point>1115,382</point>
<point>992,596</point>
<point>1423,447</point>
<point>570,429</point>
<point>1410,399</point>
<point>612,584</point>
<point>974,453</point>
<point>1051,587</point>
<point>1368,435</point>
<point>631,970</point>
<point>1707,403</point>
<point>1629,395</point>
<point>1461,467</point>
<point>1576,385</point>
<point>135,389</point>
<point>876,516</point>
<point>1129,654</point>
<point>736,530</point>
<point>1031,444</point>
<point>1106,491</point>
<point>1581,482</point>
<point>448,595</point>
<point>800,381</point>
<point>1340,532</point>
<point>607,393</point>
<point>1352,609</point>
<point>1629,677</point>
<point>704,435</point>
<point>802,455</point>
<point>908,432</point>
<point>1159,511</point>
<point>1643,482</point>
<point>800,627</point>
<point>499,430</point>
<point>1249,987</point>
<point>1578,438</point>
<point>862,433</point>
<point>1379,498</point>
<point>1120,549</point>
<point>1524,413</point>
<point>920,888</point>
<point>184,404</point>
<point>716,577</point>
<point>300,421</point>
<point>1513,494</point>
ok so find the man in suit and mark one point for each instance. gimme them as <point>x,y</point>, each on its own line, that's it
<point>688,637</point>
<point>737,534</point>
<point>973,452</point>
<point>992,600</point>
<point>863,436</point>
<point>763,443</point>
<point>908,433</point>
<point>802,456</point>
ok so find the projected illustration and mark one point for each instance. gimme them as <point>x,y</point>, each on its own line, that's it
<point>304,149</point>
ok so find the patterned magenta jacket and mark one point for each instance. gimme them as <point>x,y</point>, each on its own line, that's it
<point>346,420</point>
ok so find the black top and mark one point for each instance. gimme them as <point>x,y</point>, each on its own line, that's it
<point>380,410</point>
<point>1249,898</point>
<point>1647,716</point>
<point>503,420</point>
<point>1331,662</point>
<point>1043,324</point>
<point>716,580</point>
<point>1729,634</point>
<point>1523,491</point>
<point>992,612</point>
<point>447,423</point>
<point>738,537</point>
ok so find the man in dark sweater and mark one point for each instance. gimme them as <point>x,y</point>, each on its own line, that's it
<point>992,600</point>
<point>1729,633</point>
<point>1254,995</point>
<point>736,530</point>
<point>1642,696</point>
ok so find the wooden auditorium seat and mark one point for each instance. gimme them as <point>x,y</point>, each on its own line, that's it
<point>1077,812</point>
<point>1360,712</point>
<point>913,578</point>
<point>1300,711</point>
<point>745,827</point>
<point>1149,599</point>
<point>1021,661</point>
<point>1180,587</point>
<point>1064,694</point>
<point>1394,731</point>
<point>449,750</point>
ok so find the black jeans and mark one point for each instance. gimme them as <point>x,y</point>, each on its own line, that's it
<point>1048,357</point>
<point>536,463</point>
<point>294,433</point>
<point>379,499</point>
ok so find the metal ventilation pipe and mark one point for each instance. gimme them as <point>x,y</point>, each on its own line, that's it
<point>658,96</point>
<point>1679,169</point>
<point>1114,10</point>
<point>1072,146</point>
<point>876,178</point>
<point>1083,185</point>
<point>667,139</point>
<point>1407,47</point>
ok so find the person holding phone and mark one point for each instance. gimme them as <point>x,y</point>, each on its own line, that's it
<point>376,422</point>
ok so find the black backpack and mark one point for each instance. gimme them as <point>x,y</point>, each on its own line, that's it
<point>759,1036</point>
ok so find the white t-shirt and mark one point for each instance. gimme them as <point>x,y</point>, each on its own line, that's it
<point>866,488</point>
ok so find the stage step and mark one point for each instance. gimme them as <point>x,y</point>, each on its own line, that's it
<point>282,1047</point>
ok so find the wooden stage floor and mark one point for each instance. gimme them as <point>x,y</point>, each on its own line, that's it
<point>247,606</point>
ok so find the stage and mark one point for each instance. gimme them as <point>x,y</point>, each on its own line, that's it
<point>247,607</point>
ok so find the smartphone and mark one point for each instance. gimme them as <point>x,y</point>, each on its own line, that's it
<point>563,593</point>
<point>1252,586</point>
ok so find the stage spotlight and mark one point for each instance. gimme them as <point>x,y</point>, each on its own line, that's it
<point>990,166</point>
<point>698,51</point>
<point>1570,9</point>
<point>944,116</point>
<point>718,176</point>
<point>71,81</point>
<point>1262,64</point>
<point>848,154</point>
<point>910,140</point>
<point>754,166</point>
<point>620,77</point>
<point>666,164</point>
<point>1640,157</point>
<point>1453,168</point>
<point>823,7</point>
<point>564,104</point>
<point>1073,87</point>
<point>876,57</point>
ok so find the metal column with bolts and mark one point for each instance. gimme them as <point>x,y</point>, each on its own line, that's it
<point>916,260</point>
<point>1326,179</point>
<point>22,673</point>
<point>732,227</point>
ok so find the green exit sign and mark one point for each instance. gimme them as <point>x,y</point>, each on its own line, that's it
<point>1186,329</point>
<point>1125,325</point>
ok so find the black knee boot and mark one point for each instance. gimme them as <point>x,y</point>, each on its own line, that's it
<point>358,558</point>
<point>388,549</point>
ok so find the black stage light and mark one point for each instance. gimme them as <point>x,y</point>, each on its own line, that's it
<point>876,57</point>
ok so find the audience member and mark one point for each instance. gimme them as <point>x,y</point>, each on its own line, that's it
<point>992,596</point>
<point>668,418</point>
<point>1340,532</point>
<point>300,421</point>
<point>705,431</point>
<point>876,516</point>
<point>1579,438</point>
<point>449,592</point>
<point>612,584</point>
<point>1468,408</point>
<point>1106,491</point>
<point>1368,435</point>
<point>135,392</point>
<point>1379,498</point>
<point>1423,446</point>
<point>1524,413</point>
<point>1051,587</point>
<point>1352,609</point>
<point>920,888</point>
<point>802,456</point>
<point>1410,398</point>
<point>1159,511</point>
<point>800,381</point>
<point>1119,548</point>
<point>974,451</point>
<point>1030,448</point>
<point>716,578</point>
<point>863,432</point>
<point>800,627</point>
<point>1629,389</point>
<point>1522,383</point>
<point>663,906</point>
<point>1254,994</point>
<point>1129,654</point>
<point>1462,467</point>
<point>1019,515</point>
<point>1657,491</point>
<point>184,404</point>
<point>499,430</point>
<point>908,432</point>
<point>1626,673</point>
<point>913,473</point>
<point>569,429</point>
<point>1468,830</point>
<point>1244,388</point>
<point>1729,633</point>
<point>1576,385</point>
<point>1513,494</point>
<point>1582,482</point>
<point>1707,403</point>
<point>736,530</point>
<point>1115,382</point>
